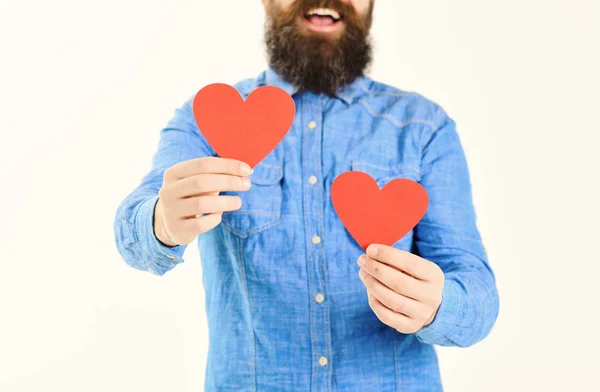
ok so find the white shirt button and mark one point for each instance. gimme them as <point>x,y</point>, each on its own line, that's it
<point>322,361</point>
<point>312,125</point>
<point>312,180</point>
<point>319,298</point>
<point>172,257</point>
<point>316,240</point>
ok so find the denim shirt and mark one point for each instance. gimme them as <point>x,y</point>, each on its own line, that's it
<point>286,309</point>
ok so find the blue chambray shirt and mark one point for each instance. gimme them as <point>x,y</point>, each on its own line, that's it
<point>285,307</point>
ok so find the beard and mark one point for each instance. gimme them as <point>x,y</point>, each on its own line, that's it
<point>313,61</point>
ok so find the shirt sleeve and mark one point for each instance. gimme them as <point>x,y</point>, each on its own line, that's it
<point>133,225</point>
<point>448,236</point>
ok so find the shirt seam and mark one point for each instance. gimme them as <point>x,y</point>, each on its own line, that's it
<point>307,250</point>
<point>251,327</point>
<point>395,122</point>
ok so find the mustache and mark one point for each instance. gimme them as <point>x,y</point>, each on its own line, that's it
<point>341,7</point>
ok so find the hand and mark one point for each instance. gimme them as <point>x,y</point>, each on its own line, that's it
<point>188,201</point>
<point>404,290</point>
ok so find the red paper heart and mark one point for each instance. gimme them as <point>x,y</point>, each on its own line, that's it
<point>377,216</point>
<point>247,131</point>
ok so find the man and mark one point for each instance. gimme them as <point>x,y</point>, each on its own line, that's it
<point>289,306</point>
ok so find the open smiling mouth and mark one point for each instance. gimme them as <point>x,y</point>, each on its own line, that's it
<point>323,19</point>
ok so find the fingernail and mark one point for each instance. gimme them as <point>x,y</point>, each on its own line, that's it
<point>372,250</point>
<point>361,272</point>
<point>245,182</point>
<point>362,260</point>
<point>245,169</point>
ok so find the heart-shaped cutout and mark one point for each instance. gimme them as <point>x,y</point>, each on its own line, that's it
<point>377,216</point>
<point>244,130</point>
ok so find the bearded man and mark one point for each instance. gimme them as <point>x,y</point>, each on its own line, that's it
<point>289,306</point>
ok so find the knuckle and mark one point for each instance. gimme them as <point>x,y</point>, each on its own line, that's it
<point>371,300</point>
<point>235,167</point>
<point>376,270</point>
<point>398,305</point>
<point>414,327</point>
<point>201,204</point>
<point>435,270</point>
<point>369,266</point>
<point>200,225</point>
<point>368,281</point>
<point>199,183</point>
<point>425,314</point>
<point>403,326</point>
<point>170,171</point>
<point>407,285</point>
<point>204,165</point>
<point>439,272</point>
<point>399,288</point>
<point>386,318</point>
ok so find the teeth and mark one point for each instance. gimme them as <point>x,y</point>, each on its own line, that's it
<point>324,12</point>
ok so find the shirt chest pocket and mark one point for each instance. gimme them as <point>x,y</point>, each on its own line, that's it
<point>261,204</point>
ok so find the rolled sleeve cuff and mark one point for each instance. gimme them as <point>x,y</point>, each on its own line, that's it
<point>162,258</point>
<point>445,319</point>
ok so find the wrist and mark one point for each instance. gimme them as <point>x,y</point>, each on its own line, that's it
<point>160,231</point>
<point>432,317</point>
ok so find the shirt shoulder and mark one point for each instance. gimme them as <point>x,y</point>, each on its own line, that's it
<point>247,85</point>
<point>400,107</point>
<point>243,86</point>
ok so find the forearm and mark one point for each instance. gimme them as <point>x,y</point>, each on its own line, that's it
<point>448,236</point>
<point>137,241</point>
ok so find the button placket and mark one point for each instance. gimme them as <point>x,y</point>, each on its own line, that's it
<point>313,224</point>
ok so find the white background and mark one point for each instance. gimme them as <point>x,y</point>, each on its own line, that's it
<point>86,86</point>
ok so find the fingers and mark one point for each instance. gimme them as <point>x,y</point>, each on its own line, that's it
<point>202,224</point>
<point>189,197</point>
<point>392,300</point>
<point>407,262</point>
<point>204,165</point>
<point>396,280</point>
<point>193,206</point>
<point>206,183</point>
<point>387,316</point>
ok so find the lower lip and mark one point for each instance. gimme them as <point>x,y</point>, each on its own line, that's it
<point>332,27</point>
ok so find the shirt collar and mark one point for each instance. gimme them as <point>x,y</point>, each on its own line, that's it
<point>347,93</point>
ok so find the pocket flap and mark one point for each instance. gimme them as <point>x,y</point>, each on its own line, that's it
<point>384,174</point>
<point>265,174</point>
